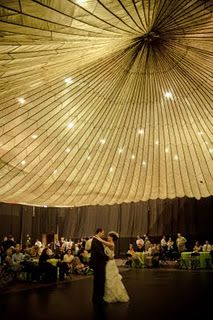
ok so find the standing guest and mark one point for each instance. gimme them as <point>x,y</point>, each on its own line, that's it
<point>98,264</point>
<point>170,249</point>
<point>18,256</point>
<point>28,242</point>
<point>88,244</point>
<point>8,243</point>
<point>139,243</point>
<point>147,243</point>
<point>206,247</point>
<point>163,243</point>
<point>181,241</point>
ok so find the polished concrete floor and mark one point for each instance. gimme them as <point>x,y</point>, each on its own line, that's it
<point>154,294</point>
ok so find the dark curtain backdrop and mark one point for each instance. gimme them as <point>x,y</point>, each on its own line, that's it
<point>191,217</point>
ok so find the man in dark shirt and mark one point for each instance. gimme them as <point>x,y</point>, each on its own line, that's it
<point>98,264</point>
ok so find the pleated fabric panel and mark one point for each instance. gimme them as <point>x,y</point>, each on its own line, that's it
<point>105,102</point>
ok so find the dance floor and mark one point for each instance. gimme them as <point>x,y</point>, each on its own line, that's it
<point>154,294</point>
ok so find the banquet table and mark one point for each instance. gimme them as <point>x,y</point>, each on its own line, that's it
<point>204,259</point>
<point>139,261</point>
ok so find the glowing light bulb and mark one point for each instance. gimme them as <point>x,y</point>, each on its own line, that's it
<point>141,131</point>
<point>168,95</point>
<point>21,100</point>
<point>70,125</point>
<point>102,141</point>
<point>68,80</point>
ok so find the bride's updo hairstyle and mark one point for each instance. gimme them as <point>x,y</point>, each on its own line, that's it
<point>114,235</point>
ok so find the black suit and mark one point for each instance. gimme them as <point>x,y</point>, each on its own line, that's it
<point>98,264</point>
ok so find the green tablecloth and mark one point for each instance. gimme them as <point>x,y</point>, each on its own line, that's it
<point>204,259</point>
<point>53,261</point>
<point>139,260</point>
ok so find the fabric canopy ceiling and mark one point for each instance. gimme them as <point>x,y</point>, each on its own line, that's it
<point>105,102</point>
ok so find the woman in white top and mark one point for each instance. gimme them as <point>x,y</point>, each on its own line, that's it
<point>114,289</point>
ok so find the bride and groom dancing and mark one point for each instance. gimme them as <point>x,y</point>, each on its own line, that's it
<point>107,283</point>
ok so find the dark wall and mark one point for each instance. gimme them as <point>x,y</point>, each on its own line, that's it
<point>193,218</point>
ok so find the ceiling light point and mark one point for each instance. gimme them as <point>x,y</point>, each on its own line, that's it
<point>34,136</point>
<point>23,162</point>
<point>141,131</point>
<point>68,80</point>
<point>133,156</point>
<point>21,100</point>
<point>70,125</point>
<point>168,95</point>
<point>102,141</point>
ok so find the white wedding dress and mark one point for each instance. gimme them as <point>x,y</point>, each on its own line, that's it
<point>114,289</point>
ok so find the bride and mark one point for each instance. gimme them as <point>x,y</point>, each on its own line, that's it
<point>114,290</point>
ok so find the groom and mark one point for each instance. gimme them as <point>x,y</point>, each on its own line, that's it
<point>98,263</point>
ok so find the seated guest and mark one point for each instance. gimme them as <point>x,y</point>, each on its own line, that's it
<point>18,256</point>
<point>66,266</point>
<point>46,268</point>
<point>15,268</point>
<point>8,259</point>
<point>133,259</point>
<point>79,267</point>
<point>84,256</point>
<point>206,247</point>
<point>34,252</point>
<point>197,247</point>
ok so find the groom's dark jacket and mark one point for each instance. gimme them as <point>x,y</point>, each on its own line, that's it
<point>98,255</point>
